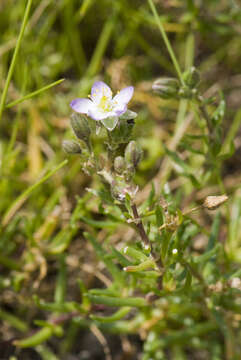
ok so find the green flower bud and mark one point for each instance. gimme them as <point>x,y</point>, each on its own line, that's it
<point>71,147</point>
<point>119,164</point>
<point>133,154</point>
<point>192,77</point>
<point>81,127</point>
<point>166,88</point>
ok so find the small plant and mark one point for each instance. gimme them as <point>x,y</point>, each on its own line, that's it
<point>139,240</point>
<point>155,274</point>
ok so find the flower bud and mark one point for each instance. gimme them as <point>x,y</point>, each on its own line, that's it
<point>213,202</point>
<point>192,77</point>
<point>71,147</point>
<point>80,127</point>
<point>119,164</point>
<point>166,88</point>
<point>133,154</point>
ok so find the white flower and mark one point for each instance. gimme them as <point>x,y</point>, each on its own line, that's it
<point>101,106</point>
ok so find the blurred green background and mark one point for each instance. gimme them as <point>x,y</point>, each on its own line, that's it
<point>116,41</point>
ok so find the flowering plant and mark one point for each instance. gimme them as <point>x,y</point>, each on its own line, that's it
<point>176,295</point>
<point>157,264</point>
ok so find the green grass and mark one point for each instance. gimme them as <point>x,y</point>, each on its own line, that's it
<point>63,248</point>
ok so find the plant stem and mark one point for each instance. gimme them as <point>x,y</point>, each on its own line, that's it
<point>34,93</point>
<point>204,113</point>
<point>140,228</point>
<point>167,42</point>
<point>22,197</point>
<point>14,58</point>
<point>198,276</point>
<point>101,46</point>
<point>60,289</point>
<point>147,243</point>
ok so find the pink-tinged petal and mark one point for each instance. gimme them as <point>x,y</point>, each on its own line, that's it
<point>100,89</point>
<point>124,96</point>
<point>96,114</point>
<point>120,109</point>
<point>81,105</point>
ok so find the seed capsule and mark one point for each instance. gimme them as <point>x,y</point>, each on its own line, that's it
<point>119,164</point>
<point>81,127</point>
<point>133,154</point>
<point>213,202</point>
<point>166,88</point>
<point>71,147</point>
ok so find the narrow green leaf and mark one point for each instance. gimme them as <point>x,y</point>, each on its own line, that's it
<point>98,224</point>
<point>148,264</point>
<point>113,269</point>
<point>122,259</point>
<point>36,339</point>
<point>109,301</point>
<point>188,281</point>
<point>116,316</point>
<point>14,58</point>
<point>13,321</point>
<point>34,93</point>
<point>214,232</point>
<point>21,198</point>
<point>61,241</point>
<point>135,254</point>
<point>159,216</point>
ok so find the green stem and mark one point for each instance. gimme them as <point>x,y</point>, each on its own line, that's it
<point>19,201</point>
<point>34,93</point>
<point>116,316</point>
<point>140,228</point>
<point>135,254</point>
<point>101,46</point>
<point>36,339</point>
<point>205,115</point>
<point>14,58</point>
<point>167,42</point>
<point>45,353</point>
<point>13,321</point>
<point>113,301</point>
<point>60,289</point>
<point>149,264</point>
<point>18,116</point>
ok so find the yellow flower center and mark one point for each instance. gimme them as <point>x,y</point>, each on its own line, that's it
<point>105,104</point>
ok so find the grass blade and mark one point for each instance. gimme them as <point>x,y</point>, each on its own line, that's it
<point>14,58</point>
<point>34,93</point>
<point>22,198</point>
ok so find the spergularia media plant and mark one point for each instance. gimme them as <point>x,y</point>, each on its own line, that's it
<point>141,252</point>
<point>154,272</point>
